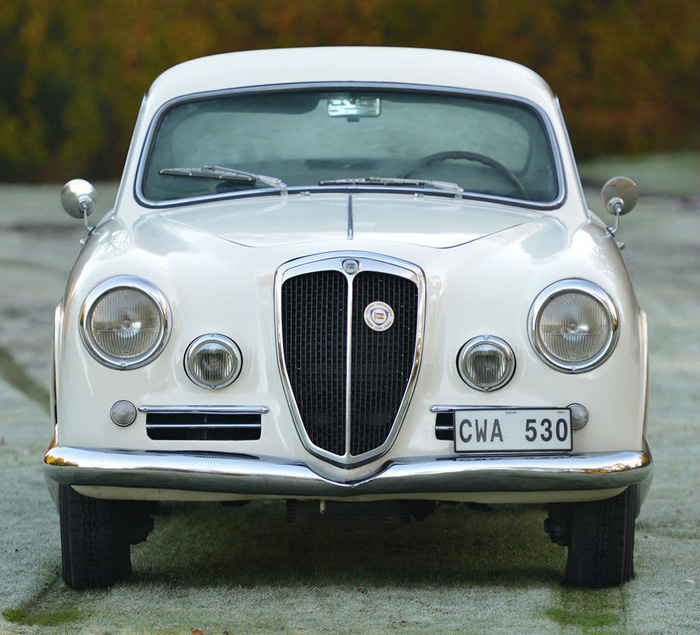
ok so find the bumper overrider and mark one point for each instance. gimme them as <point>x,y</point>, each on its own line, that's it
<point>267,476</point>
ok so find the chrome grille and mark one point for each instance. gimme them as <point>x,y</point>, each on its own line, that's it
<point>348,384</point>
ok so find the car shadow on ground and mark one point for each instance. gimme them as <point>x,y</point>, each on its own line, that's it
<point>207,544</point>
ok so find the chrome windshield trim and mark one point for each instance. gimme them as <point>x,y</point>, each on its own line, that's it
<point>570,148</point>
<point>268,476</point>
<point>305,190</point>
<point>142,200</point>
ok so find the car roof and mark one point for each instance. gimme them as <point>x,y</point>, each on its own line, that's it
<point>431,67</point>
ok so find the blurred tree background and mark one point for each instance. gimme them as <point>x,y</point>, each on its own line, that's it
<point>72,72</point>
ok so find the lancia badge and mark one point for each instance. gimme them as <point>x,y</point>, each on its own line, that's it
<point>379,316</point>
<point>350,266</point>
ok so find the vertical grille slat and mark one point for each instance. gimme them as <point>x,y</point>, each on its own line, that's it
<point>316,305</point>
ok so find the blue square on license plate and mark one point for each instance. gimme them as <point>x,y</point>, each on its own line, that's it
<point>513,430</point>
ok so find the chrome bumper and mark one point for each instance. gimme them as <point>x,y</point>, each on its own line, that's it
<point>264,476</point>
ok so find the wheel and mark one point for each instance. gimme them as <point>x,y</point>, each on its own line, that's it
<point>601,549</point>
<point>95,538</point>
<point>473,156</point>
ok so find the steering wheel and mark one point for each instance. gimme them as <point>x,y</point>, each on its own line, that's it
<point>473,156</point>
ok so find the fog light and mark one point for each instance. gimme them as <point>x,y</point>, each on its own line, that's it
<point>486,363</point>
<point>123,413</point>
<point>213,361</point>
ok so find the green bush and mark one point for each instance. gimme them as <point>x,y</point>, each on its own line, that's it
<point>72,73</point>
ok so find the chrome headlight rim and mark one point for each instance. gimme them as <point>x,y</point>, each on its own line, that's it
<point>218,338</point>
<point>115,284</point>
<point>474,343</point>
<point>576,286</point>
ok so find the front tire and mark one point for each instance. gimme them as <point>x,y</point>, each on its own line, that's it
<point>601,551</point>
<point>94,540</point>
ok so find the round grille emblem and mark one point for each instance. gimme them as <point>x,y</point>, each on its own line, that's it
<point>350,266</point>
<point>379,316</point>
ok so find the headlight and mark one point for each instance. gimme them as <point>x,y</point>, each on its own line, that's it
<point>213,361</point>
<point>486,363</point>
<point>573,325</point>
<point>125,322</point>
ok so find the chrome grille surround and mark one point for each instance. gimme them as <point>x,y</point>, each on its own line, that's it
<point>344,440</point>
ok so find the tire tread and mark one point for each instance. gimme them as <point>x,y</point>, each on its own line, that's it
<point>94,545</point>
<point>601,552</point>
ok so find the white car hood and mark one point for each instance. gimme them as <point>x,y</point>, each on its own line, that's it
<point>426,221</point>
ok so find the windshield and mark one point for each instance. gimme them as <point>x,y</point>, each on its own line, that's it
<point>331,138</point>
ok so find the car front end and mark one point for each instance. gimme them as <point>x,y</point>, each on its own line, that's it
<point>366,326</point>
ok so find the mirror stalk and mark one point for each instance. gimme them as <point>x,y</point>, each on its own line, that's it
<point>78,198</point>
<point>619,196</point>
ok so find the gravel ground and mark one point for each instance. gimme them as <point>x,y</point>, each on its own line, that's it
<point>457,572</point>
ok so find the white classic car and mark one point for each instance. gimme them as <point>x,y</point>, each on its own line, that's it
<point>361,280</point>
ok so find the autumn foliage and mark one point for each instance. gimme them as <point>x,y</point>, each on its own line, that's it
<point>72,72</point>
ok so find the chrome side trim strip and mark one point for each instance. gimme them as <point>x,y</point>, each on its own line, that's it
<point>204,410</point>
<point>261,476</point>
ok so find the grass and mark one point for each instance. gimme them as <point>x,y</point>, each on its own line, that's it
<point>581,616</point>
<point>655,174</point>
<point>253,544</point>
<point>48,618</point>
<point>15,375</point>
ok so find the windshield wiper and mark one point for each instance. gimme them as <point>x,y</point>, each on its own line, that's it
<point>226,174</point>
<point>395,180</point>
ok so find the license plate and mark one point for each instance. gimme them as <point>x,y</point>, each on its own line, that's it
<point>513,430</point>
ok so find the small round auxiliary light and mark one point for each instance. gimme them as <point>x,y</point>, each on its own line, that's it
<point>213,361</point>
<point>123,413</point>
<point>579,415</point>
<point>486,363</point>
